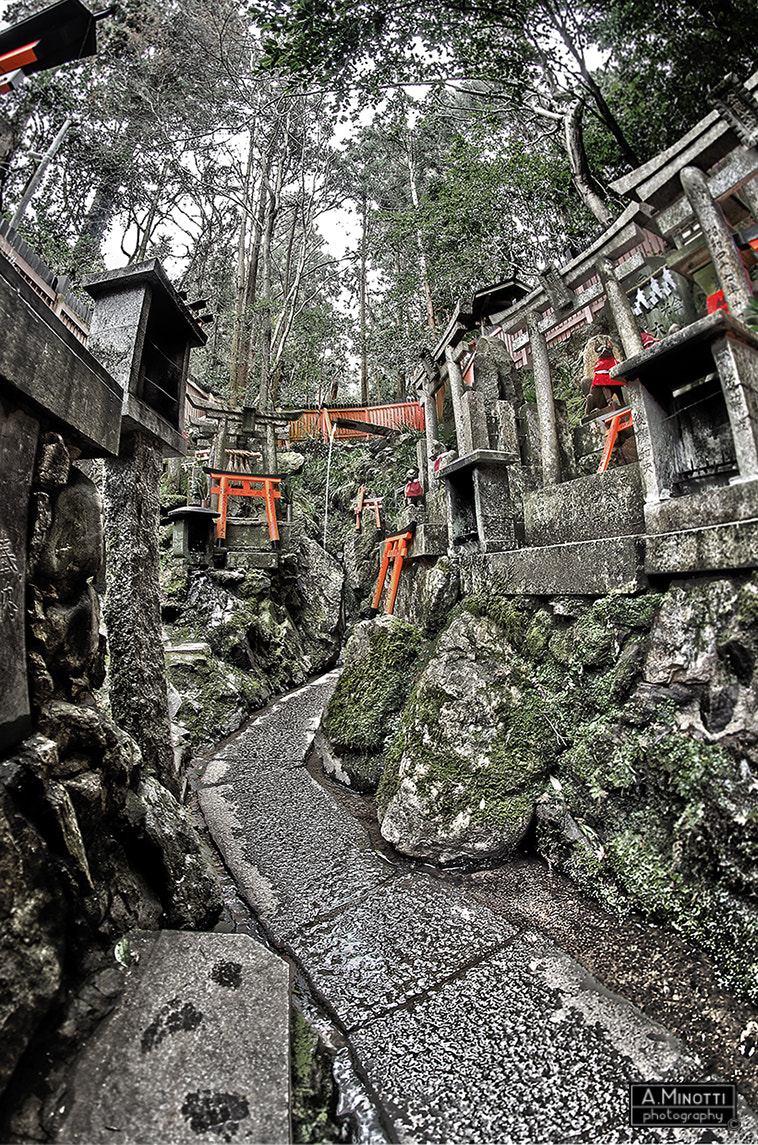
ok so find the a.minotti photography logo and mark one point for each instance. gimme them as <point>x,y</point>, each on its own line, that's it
<point>691,1103</point>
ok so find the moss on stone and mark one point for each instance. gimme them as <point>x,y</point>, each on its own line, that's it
<point>512,613</point>
<point>498,791</point>
<point>628,612</point>
<point>648,817</point>
<point>537,639</point>
<point>373,688</point>
<point>174,578</point>
<point>216,698</point>
<point>313,1092</point>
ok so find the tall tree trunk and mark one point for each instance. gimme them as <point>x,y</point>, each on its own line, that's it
<point>239,299</point>
<point>362,304</point>
<point>586,185</point>
<point>272,210</point>
<point>558,18</point>
<point>99,215</point>
<point>251,287</point>
<point>419,242</point>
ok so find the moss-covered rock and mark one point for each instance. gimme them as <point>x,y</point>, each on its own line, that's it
<point>382,662</point>
<point>313,1093</point>
<point>248,635</point>
<point>629,723</point>
<point>655,801</point>
<point>472,752</point>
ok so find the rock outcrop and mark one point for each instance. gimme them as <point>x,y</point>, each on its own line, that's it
<point>91,845</point>
<point>381,664</point>
<point>620,732</point>
<point>238,636</point>
<point>654,804</point>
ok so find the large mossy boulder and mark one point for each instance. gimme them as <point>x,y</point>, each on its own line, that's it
<point>627,723</point>
<point>472,753</point>
<point>654,804</point>
<point>381,665</point>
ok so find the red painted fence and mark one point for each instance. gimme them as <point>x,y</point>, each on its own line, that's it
<point>318,423</point>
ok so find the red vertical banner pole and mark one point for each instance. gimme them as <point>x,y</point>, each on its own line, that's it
<point>273,527</point>
<point>380,582</point>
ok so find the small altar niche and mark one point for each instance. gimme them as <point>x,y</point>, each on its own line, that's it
<point>462,508</point>
<point>163,364</point>
<point>693,403</point>
<point>194,534</point>
<point>702,453</point>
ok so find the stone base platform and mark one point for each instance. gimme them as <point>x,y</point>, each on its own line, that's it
<point>253,559</point>
<point>196,1051</point>
<point>429,541</point>
<point>602,505</point>
<point>585,568</point>
<point>717,548</point>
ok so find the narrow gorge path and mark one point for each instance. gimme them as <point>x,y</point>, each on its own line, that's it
<point>464,1025</point>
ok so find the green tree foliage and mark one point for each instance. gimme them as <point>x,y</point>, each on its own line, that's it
<point>662,59</point>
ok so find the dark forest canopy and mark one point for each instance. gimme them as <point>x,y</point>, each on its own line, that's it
<point>223,135</point>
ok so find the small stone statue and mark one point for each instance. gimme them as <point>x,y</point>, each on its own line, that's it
<point>601,354</point>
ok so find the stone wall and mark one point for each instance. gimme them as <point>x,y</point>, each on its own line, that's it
<point>92,846</point>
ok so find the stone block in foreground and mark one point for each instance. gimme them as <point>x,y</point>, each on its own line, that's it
<point>197,1049</point>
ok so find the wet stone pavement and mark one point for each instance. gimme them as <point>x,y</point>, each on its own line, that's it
<point>462,1025</point>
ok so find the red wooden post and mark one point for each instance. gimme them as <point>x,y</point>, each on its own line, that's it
<point>222,504</point>
<point>397,568</point>
<point>400,549</point>
<point>380,582</point>
<point>273,527</point>
<point>616,422</point>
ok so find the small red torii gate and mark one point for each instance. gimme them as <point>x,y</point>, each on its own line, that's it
<point>395,550</point>
<point>225,484</point>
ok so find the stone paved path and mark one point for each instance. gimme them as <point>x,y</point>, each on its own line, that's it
<point>463,1028</point>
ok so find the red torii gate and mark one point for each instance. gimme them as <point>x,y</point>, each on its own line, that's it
<point>226,484</point>
<point>396,550</point>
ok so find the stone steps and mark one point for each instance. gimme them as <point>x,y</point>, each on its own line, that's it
<point>197,1049</point>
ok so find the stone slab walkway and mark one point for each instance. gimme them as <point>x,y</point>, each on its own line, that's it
<point>463,1027</point>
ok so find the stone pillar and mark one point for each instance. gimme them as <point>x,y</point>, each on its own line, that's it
<point>430,417</point>
<point>18,446</point>
<point>269,446</point>
<point>545,404</point>
<point>456,393</point>
<point>726,259</point>
<point>138,688</point>
<point>507,431</point>
<point>749,192</point>
<point>621,308</point>
<point>422,461</point>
